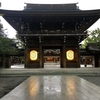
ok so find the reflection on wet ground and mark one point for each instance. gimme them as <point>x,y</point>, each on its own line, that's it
<point>54,87</point>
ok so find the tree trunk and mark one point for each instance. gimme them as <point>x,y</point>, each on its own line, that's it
<point>3,66</point>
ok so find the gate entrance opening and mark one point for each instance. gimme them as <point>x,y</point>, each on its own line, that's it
<point>52,58</point>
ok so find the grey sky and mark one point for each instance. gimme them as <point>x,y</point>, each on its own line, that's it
<point>19,5</point>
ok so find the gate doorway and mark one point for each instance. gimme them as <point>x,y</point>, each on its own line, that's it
<point>87,61</point>
<point>52,58</point>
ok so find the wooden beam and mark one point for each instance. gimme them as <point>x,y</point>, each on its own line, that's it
<point>28,35</point>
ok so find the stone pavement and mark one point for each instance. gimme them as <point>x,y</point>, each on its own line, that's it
<point>54,87</point>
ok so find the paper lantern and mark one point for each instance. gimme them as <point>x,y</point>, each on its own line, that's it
<point>70,54</point>
<point>33,55</point>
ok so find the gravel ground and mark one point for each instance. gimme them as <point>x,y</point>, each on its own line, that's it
<point>9,83</point>
<point>93,79</point>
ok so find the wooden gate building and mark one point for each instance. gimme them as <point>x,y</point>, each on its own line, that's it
<point>56,26</point>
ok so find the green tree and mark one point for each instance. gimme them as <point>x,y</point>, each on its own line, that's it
<point>83,45</point>
<point>7,47</point>
<point>94,37</point>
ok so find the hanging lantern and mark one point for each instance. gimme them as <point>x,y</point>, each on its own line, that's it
<point>70,54</point>
<point>33,55</point>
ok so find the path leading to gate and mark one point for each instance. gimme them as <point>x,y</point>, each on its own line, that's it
<point>59,87</point>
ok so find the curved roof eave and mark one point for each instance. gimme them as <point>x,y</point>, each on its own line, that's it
<point>51,12</point>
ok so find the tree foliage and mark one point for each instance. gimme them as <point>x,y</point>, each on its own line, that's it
<point>7,45</point>
<point>19,42</point>
<point>94,37</point>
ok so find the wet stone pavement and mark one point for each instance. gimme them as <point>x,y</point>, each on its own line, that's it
<point>58,87</point>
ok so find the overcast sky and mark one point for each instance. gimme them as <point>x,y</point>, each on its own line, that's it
<point>19,5</point>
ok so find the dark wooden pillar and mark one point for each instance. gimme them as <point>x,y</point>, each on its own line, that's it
<point>25,58</point>
<point>5,62</point>
<point>8,62</point>
<point>40,56</point>
<point>1,61</point>
<point>97,61</point>
<point>64,56</point>
<point>78,58</point>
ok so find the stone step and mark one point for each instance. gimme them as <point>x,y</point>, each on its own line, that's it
<point>51,71</point>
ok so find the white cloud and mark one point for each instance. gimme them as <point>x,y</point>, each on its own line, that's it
<point>12,4</point>
<point>89,4</point>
